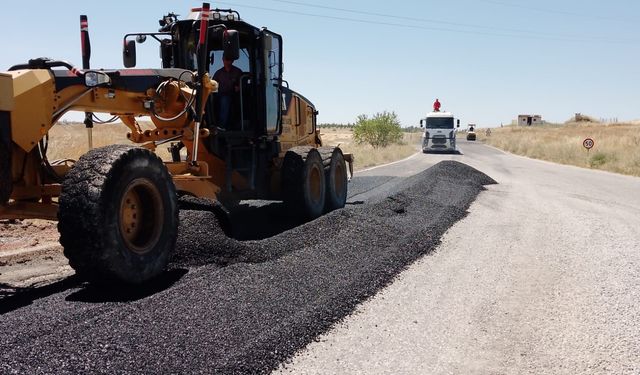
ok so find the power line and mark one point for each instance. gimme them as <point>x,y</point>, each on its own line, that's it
<point>426,20</point>
<point>383,23</point>
<point>422,20</point>
<point>560,12</point>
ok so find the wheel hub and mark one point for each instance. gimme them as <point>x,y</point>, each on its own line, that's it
<point>141,214</point>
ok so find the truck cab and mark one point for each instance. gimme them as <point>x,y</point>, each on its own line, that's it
<point>439,132</point>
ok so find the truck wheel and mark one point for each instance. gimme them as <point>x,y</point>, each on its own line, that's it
<point>336,180</point>
<point>5,173</point>
<point>118,215</point>
<point>304,182</point>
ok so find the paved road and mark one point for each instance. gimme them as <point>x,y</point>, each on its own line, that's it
<point>542,277</point>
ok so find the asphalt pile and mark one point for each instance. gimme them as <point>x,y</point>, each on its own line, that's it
<point>232,306</point>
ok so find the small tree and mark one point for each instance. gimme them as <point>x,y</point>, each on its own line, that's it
<point>381,130</point>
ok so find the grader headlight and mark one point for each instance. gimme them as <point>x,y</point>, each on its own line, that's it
<point>95,79</point>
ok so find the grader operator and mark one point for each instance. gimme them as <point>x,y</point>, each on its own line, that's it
<point>117,205</point>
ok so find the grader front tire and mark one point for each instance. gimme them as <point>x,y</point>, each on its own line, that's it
<point>118,215</point>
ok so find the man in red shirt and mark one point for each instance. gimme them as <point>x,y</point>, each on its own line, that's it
<point>436,106</point>
<point>228,78</point>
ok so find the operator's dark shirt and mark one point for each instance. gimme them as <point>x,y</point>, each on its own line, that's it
<point>227,81</point>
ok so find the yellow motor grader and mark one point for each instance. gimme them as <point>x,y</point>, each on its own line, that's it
<point>117,205</point>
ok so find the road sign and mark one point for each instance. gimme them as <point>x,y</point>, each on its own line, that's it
<point>588,143</point>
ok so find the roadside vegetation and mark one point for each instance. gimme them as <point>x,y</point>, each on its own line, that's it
<point>375,140</point>
<point>366,156</point>
<point>379,131</point>
<point>616,149</point>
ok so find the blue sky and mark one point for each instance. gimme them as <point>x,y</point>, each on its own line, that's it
<point>486,60</point>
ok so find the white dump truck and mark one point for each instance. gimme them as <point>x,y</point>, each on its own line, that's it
<point>439,132</point>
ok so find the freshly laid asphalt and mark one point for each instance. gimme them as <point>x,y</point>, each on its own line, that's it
<point>240,306</point>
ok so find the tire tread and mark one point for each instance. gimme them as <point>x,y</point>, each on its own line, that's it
<point>82,233</point>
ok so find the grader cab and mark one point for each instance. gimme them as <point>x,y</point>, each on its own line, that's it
<point>117,205</point>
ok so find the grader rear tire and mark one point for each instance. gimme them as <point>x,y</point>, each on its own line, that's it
<point>118,215</point>
<point>6,185</point>
<point>304,182</point>
<point>336,179</point>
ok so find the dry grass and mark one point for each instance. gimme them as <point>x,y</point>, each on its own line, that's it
<point>617,146</point>
<point>70,141</point>
<point>366,156</point>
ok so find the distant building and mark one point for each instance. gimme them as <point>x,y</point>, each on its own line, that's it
<point>528,120</point>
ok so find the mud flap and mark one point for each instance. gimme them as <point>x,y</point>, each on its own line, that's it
<point>5,157</point>
<point>349,159</point>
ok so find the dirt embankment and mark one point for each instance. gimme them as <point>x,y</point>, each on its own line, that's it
<point>30,254</point>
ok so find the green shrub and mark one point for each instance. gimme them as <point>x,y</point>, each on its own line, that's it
<point>382,130</point>
<point>598,160</point>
